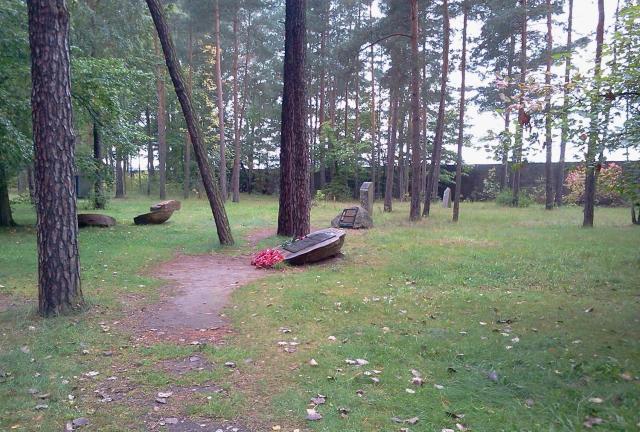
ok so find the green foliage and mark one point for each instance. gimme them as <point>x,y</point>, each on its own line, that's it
<point>609,185</point>
<point>15,87</point>
<point>336,190</point>
<point>505,199</point>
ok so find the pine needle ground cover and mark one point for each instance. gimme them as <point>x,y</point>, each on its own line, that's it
<point>513,319</point>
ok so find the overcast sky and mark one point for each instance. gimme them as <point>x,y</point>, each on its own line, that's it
<point>585,18</point>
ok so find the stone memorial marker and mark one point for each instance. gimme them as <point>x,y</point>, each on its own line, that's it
<point>353,217</point>
<point>366,196</point>
<point>446,198</point>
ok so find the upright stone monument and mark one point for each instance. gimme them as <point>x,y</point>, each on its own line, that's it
<point>366,196</point>
<point>446,198</point>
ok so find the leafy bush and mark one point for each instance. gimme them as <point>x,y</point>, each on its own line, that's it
<point>337,191</point>
<point>505,199</point>
<point>608,184</point>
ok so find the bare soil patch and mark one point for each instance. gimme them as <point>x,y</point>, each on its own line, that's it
<point>191,305</point>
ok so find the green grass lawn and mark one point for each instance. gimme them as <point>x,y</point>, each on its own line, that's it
<point>548,310</point>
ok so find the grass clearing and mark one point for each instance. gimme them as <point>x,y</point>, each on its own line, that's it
<point>504,290</point>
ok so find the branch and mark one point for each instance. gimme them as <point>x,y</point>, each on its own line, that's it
<point>383,39</point>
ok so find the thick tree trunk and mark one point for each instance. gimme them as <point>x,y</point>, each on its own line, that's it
<point>416,168</point>
<point>59,289</point>
<point>548,173</point>
<point>564,134</point>
<point>210,186</point>
<point>433,179</point>
<point>162,125</point>
<point>186,186</point>
<point>223,153</point>
<point>391,151</point>
<point>463,75</point>
<point>294,210</point>
<point>6,218</point>
<point>590,160</point>
<point>235,174</point>
<point>517,152</point>
<point>99,199</point>
<point>401,157</point>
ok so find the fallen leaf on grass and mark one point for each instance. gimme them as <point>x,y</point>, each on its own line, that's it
<point>319,400</point>
<point>165,394</point>
<point>589,422</point>
<point>438,386</point>
<point>312,415</point>
<point>313,362</point>
<point>596,400</point>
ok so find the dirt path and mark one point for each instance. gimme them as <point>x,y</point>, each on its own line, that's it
<point>191,306</point>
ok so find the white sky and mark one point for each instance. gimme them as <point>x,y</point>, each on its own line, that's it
<point>585,17</point>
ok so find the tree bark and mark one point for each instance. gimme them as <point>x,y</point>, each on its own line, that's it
<point>235,174</point>
<point>416,168</point>
<point>590,160</point>
<point>548,173</point>
<point>294,209</point>
<point>223,154</point>
<point>162,125</point>
<point>373,106</point>
<point>59,290</point>
<point>506,146</point>
<point>517,151</point>
<point>391,151</point>
<point>6,218</point>
<point>564,134</point>
<point>99,199</point>
<point>463,75</point>
<point>433,179</point>
<point>150,158</point>
<point>210,186</point>
<point>119,176</point>
<point>186,186</point>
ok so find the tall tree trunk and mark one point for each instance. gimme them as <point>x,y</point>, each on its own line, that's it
<point>59,289</point>
<point>332,123</point>
<point>548,173</point>
<point>391,150</point>
<point>223,155</point>
<point>99,199</point>
<point>590,160</point>
<point>564,134</point>
<point>294,209</point>
<point>373,106</point>
<point>162,124</point>
<point>210,186</point>
<point>186,186</point>
<point>434,171</point>
<point>517,151</point>
<point>506,145</point>
<point>401,156</point>
<point>463,75</point>
<point>119,176</point>
<point>150,158</point>
<point>416,168</point>
<point>321,115</point>
<point>6,218</point>
<point>32,184</point>
<point>235,174</point>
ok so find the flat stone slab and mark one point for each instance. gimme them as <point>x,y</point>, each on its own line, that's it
<point>95,220</point>
<point>172,205</point>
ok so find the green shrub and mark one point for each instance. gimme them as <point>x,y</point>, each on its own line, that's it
<point>505,199</point>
